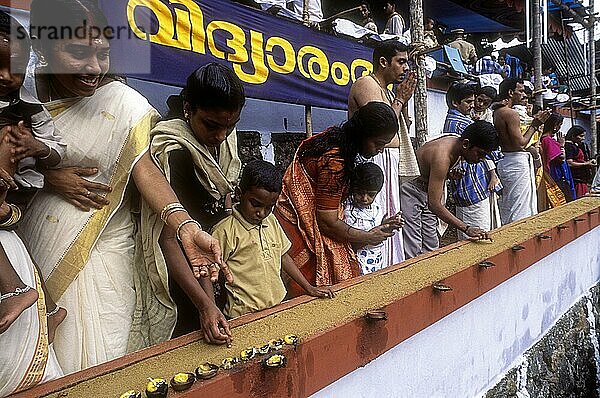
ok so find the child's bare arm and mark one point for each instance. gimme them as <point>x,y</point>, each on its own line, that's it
<point>214,325</point>
<point>290,268</point>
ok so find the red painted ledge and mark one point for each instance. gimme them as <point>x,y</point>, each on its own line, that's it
<point>327,356</point>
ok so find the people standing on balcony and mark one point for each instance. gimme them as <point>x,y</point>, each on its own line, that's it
<point>578,157</point>
<point>429,33</point>
<point>504,67</point>
<point>315,185</point>
<point>422,198</point>
<point>395,23</point>
<point>398,161</point>
<point>367,20</point>
<point>315,11</point>
<point>473,185</point>
<point>554,157</point>
<point>466,49</point>
<point>486,64</point>
<point>518,199</point>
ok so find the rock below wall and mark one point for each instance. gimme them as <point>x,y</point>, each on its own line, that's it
<point>563,363</point>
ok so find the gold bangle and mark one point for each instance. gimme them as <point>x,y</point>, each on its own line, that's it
<point>168,209</point>
<point>15,216</point>
<point>184,222</point>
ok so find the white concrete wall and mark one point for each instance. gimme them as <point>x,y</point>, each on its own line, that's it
<point>470,350</point>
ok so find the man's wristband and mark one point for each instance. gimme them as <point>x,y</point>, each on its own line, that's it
<point>466,228</point>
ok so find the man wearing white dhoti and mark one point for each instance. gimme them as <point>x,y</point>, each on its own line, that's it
<point>390,63</point>
<point>518,198</point>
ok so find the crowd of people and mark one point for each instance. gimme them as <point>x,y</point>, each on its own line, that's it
<point>120,229</point>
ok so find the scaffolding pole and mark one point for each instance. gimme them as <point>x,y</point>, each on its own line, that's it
<point>536,49</point>
<point>565,49</point>
<point>592,63</point>
<point>420,96</point>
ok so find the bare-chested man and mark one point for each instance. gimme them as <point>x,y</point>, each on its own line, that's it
<point>390,65</point>
<point>422,198</point>
<point>516,171</point>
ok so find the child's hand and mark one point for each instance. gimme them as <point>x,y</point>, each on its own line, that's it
<point>390,224</point>
<point>24,143</point>
<point>321,292</point>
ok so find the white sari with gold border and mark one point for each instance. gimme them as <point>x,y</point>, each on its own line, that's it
<point>25,357</point>
<point>87,257</point>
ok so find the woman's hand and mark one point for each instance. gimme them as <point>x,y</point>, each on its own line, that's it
<point>214,326</point>
<point>69,183</point>
<point>406,87</point>
<point>203,253</point>
<point>378,234</point>
<point>24,144</point>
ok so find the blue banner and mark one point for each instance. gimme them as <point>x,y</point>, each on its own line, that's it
<point>277,59</point>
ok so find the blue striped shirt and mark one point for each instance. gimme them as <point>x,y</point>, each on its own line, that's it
<point>472,187</point>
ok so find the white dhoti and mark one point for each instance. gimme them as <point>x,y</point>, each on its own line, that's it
<point>518,198</point>
<point>25,357</point>
<point>596,182</point>
<point>389,200</point>
<point>482,215</point>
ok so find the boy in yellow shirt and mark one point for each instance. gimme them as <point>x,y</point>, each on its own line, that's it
<point>255,246</point>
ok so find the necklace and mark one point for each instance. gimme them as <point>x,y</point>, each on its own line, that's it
<point>386,93</point>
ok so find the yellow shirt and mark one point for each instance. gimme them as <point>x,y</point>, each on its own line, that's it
<point>253,253</point>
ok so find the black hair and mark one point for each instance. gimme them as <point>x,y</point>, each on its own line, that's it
<point>366,4</point>
<point>260,174</point>
<point>488,91</point>
<point>366,177</point>
<point>481,134</point>
<point>458,92</point>
<point>574,131</point>
<point>506,86</point>
<point>214,86</point>
<point>374,119</point>
<point>13,31</point>
<point>387,49</point>
<point>65,19</point>
<point>553,120</point>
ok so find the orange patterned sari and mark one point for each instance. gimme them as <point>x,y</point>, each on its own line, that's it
<point>310,185</point>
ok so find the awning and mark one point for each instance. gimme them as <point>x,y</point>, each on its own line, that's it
<point>456,16</point>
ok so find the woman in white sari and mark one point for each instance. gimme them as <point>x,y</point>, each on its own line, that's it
<point>81,230</point>
<point>24,344</point>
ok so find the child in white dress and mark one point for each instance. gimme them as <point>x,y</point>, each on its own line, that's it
<point>363,213</point>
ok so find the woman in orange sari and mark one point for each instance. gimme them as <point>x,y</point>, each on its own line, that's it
<point>315,184</point>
